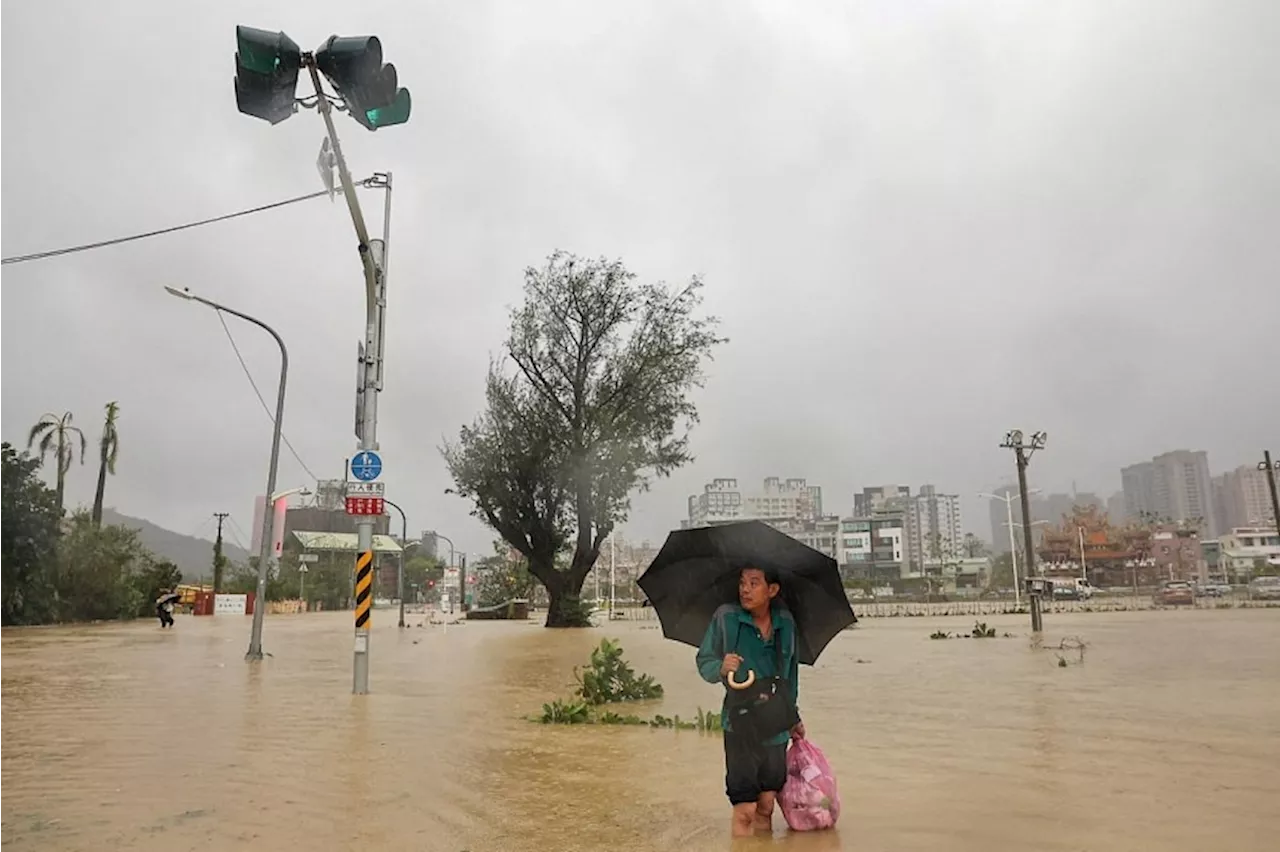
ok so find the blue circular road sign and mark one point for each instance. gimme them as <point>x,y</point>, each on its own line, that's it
<point>366,466</point>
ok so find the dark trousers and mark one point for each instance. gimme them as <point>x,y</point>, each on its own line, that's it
<point>166,619</point>
<point>752,768</point>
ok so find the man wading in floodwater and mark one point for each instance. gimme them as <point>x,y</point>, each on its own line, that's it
<point>757,636</point>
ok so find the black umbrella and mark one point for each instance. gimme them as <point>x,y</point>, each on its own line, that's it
<point>696,572</point>
<point>171,597</point>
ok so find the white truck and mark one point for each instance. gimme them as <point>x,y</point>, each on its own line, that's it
<point>1072,589</point>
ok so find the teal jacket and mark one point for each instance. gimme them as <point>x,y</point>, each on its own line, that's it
<point>758,654</point>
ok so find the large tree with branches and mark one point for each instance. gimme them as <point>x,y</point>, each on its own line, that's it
<point>589,404</point>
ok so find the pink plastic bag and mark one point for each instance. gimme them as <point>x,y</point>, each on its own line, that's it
<point>809,799</point>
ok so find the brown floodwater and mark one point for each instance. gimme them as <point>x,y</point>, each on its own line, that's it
<point>127,737</point>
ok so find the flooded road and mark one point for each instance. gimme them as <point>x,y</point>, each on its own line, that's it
<point>125,737</point>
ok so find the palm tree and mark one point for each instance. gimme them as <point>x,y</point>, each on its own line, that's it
<point>108,448</point>
<point>57,434</point>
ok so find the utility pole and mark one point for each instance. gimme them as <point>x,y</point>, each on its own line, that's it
<point>217,553</point>
<point>1022,453</point>
<point>1271,467</point>
<point>462,582</point>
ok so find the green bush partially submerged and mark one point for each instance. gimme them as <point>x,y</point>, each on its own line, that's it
<point>608,680</point>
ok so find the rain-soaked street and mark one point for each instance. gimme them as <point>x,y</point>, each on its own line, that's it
<point>124,737</point>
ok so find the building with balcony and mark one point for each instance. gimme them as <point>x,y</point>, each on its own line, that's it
<point>933,528</point>
<point>724,501</point>
<point>1245,549</point>
<point>874,541</point>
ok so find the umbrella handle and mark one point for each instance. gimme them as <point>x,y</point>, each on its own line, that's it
<point>736,684</point>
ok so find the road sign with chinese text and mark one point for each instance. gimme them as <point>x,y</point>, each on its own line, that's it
<point>365,506</point>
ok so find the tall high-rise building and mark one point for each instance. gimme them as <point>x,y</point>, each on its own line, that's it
<point>1175,485</point>
<point>1183,489</point>
<point>1117,514</point>
<point>933,527</point>
<point>1135,482</point>
<point>1221,504</point>
<point>1245,497</point>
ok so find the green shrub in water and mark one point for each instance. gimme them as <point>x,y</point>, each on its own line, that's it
<point>609,679</point>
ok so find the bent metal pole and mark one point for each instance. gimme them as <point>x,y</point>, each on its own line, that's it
<point>264,548</point>
<point>369,383</point>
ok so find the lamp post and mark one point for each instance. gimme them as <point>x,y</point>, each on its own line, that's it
<point>1022,452</point>
<point>269,506</point>
<point>264,551</point>
<point>446,538</point>
<point>404,535</point>
<point>1013,546</point>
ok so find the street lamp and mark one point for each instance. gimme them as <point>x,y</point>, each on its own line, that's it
<point>264,550</point>
<point>404,534</point>
<point>280,495</point>
<point>446,538</point>
<point>1013,547</point>
<point>270,505</point>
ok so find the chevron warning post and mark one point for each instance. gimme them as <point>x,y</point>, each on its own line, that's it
<point>364,590</point>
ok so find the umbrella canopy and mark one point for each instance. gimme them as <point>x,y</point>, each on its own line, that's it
<point>696,573</point>
<point>171,597</point>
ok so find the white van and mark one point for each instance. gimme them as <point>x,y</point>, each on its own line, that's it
<point>1072,589</point>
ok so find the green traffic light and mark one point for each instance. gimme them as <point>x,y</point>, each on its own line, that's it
<point>267,67</point>
<point>397,112</point>
<point>354,66</point>
<point>265,52</point>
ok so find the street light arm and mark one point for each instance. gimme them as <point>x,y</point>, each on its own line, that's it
<point>404,534</point>
<point>264,554</point>
<point>192,297</point>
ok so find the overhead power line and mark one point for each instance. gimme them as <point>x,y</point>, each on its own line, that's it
<point>265,407</point>
<point>41,255</point>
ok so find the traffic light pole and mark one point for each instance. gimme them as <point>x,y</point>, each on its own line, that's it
<point>374,282</point>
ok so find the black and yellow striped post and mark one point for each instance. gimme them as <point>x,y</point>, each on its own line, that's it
<point>364,590</point>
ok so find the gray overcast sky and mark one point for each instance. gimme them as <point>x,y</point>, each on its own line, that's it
<point>922,224</point>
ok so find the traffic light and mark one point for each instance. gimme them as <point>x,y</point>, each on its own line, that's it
<point>354,66</point>
<point>267,66</point>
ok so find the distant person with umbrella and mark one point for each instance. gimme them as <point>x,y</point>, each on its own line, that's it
<point>756,603</point>
<point>164,607</point>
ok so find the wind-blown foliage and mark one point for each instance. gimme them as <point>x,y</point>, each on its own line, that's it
<point>500,579</point>
<point>108,450</point>
<point>597,406</point>
<point>29,534</point>
<point>57,435</point>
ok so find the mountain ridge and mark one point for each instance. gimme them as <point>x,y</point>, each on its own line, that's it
<point>193,555</point>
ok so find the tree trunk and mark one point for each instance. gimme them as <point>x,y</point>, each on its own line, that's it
<point>564,590</point>
<point>564,608</point>
<point>61,489</point>
<point>101,492</point>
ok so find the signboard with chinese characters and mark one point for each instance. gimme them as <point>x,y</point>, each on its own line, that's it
<point>365,498</point>
<point>365,506</point>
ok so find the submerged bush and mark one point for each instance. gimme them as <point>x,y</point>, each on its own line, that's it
<point>608,680</point>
